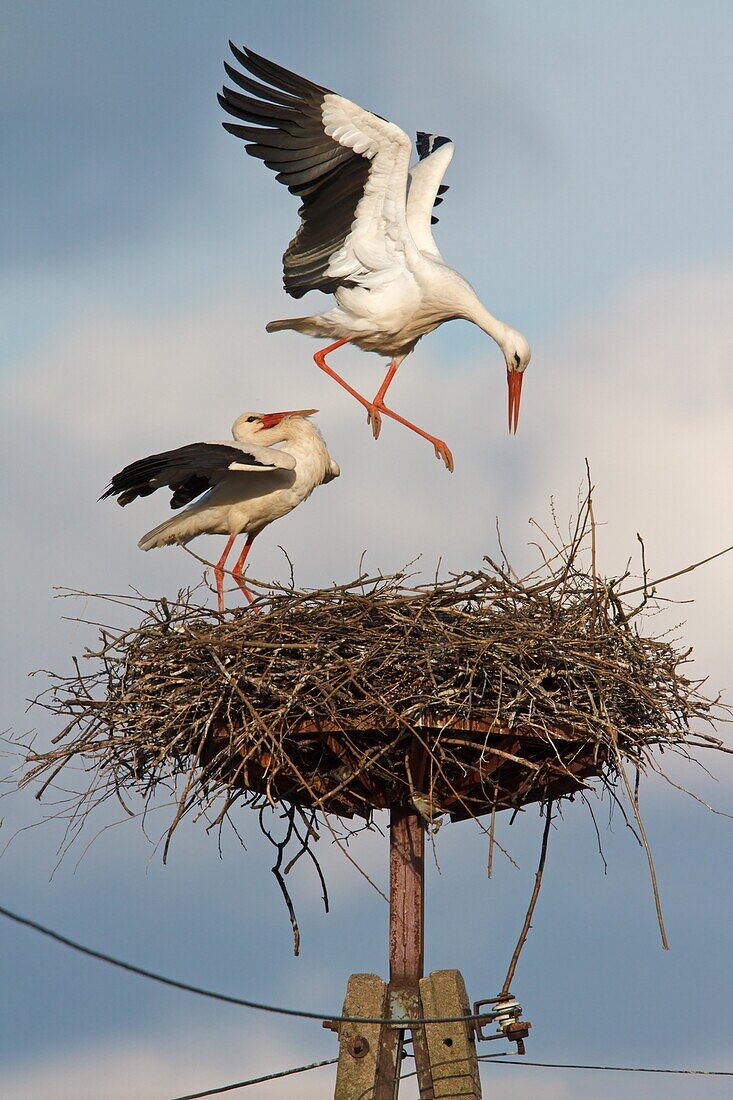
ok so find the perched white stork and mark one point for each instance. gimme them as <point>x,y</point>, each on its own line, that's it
<point>246,484</point>
<point>365,231</point>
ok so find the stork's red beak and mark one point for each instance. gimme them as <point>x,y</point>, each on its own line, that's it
<point>514,383</point>
<point>271,420</point>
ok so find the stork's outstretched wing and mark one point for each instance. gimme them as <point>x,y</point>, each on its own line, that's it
<point>426,188</point>
<point>348,166</point>
<point>191,470</point>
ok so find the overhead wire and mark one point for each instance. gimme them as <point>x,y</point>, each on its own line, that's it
<point>255,1080</point>
<point>611,1069</point>
<point>227,998</point>
<point>301,1069</point>
<point>500,1059</point>
<point>174,983</point>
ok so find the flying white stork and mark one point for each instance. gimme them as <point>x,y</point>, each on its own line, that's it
<point>246,484</point>
<point>365,230</point>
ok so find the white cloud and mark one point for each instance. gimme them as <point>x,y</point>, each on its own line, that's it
<point>168,1064</point>
<point>646,393</point>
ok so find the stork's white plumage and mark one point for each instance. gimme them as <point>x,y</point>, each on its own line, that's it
<point>365,234</point>
<point>241,486</point>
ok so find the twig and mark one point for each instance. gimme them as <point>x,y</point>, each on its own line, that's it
<point>647,850</point>
<point>532,902</point>
<point>679,573</point>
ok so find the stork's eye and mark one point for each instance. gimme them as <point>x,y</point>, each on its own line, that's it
<point>517,360</point>
<point>251,419</point>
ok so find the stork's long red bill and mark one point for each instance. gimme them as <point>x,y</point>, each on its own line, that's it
<point>514,383</point>
<point>270,420</point>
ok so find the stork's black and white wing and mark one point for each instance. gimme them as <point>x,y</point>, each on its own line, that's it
<point>191,470</point>
<point>426,188</point>
<point>348,166</point>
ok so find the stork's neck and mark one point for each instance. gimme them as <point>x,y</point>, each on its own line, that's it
<point>454,297</point>
<point>479,315</point>
<point>313,462</point>
<point>302,437</point>
<point>305,443</point>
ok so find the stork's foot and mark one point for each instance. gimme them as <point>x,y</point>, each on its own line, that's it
<point>374,420</point>
<point>442,451</point>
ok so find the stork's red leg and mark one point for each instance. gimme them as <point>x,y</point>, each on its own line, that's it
<point>375,419</point>
<point>441,449</point>
<point>237,570</point>
<point>219,572</point>
<point>320,359</point>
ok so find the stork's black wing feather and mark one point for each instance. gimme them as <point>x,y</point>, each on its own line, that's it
<point>188,471</point>
<point>288,136</point>
<point>428,143</point>
<point>425,145</point>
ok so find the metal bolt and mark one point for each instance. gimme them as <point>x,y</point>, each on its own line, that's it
<point>358,1046</point>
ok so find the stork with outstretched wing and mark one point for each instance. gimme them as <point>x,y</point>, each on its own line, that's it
<point>365,232</point>
<point>234,487</point>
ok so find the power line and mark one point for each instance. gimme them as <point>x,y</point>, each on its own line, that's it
<point>227,998</point>
<point>481,1058</point>
<point>299,1069</point>
<point>612,1069</point>
<point>255,1080</point>
<point>26,922</point>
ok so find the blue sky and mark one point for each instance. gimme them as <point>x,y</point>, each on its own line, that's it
<point>139,262</point>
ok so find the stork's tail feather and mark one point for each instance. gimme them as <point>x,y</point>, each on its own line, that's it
<point>164,534</point>
<point>309,325</point>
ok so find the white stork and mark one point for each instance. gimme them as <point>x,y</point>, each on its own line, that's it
<point>365,231</point>
<point>246,484</point>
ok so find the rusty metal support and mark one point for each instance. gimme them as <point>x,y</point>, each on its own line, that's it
<point>406,896</point>
<point>406,943</point>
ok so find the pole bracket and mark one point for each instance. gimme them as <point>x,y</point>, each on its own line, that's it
<point>506,1014</point>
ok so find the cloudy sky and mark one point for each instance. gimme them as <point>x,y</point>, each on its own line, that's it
<point>139,262</point>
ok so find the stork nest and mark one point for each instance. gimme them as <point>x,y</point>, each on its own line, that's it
<point>467,696</point>
<point>483,692</point>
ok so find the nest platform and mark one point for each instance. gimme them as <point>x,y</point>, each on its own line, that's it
<point>462,770</point>
<point>466,697</point>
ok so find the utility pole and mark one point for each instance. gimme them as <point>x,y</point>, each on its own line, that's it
<point>371,1055</point>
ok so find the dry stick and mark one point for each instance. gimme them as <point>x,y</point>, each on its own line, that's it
<point>710,745</point>
<point>336,840</point>
<point>593,547</point>
<point>492,826</point>
<point>532,902</point>
<point>191,778</point>
<point>645,842</point>
<point>367,762</point>
<point>209,564</point>
<point>281,846</point>
<point>330,828</point>
<point>690,794</point>
<point>499,752</point>
<point>311,832</point>
<point>679,573</point>
<point>459,798</point>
